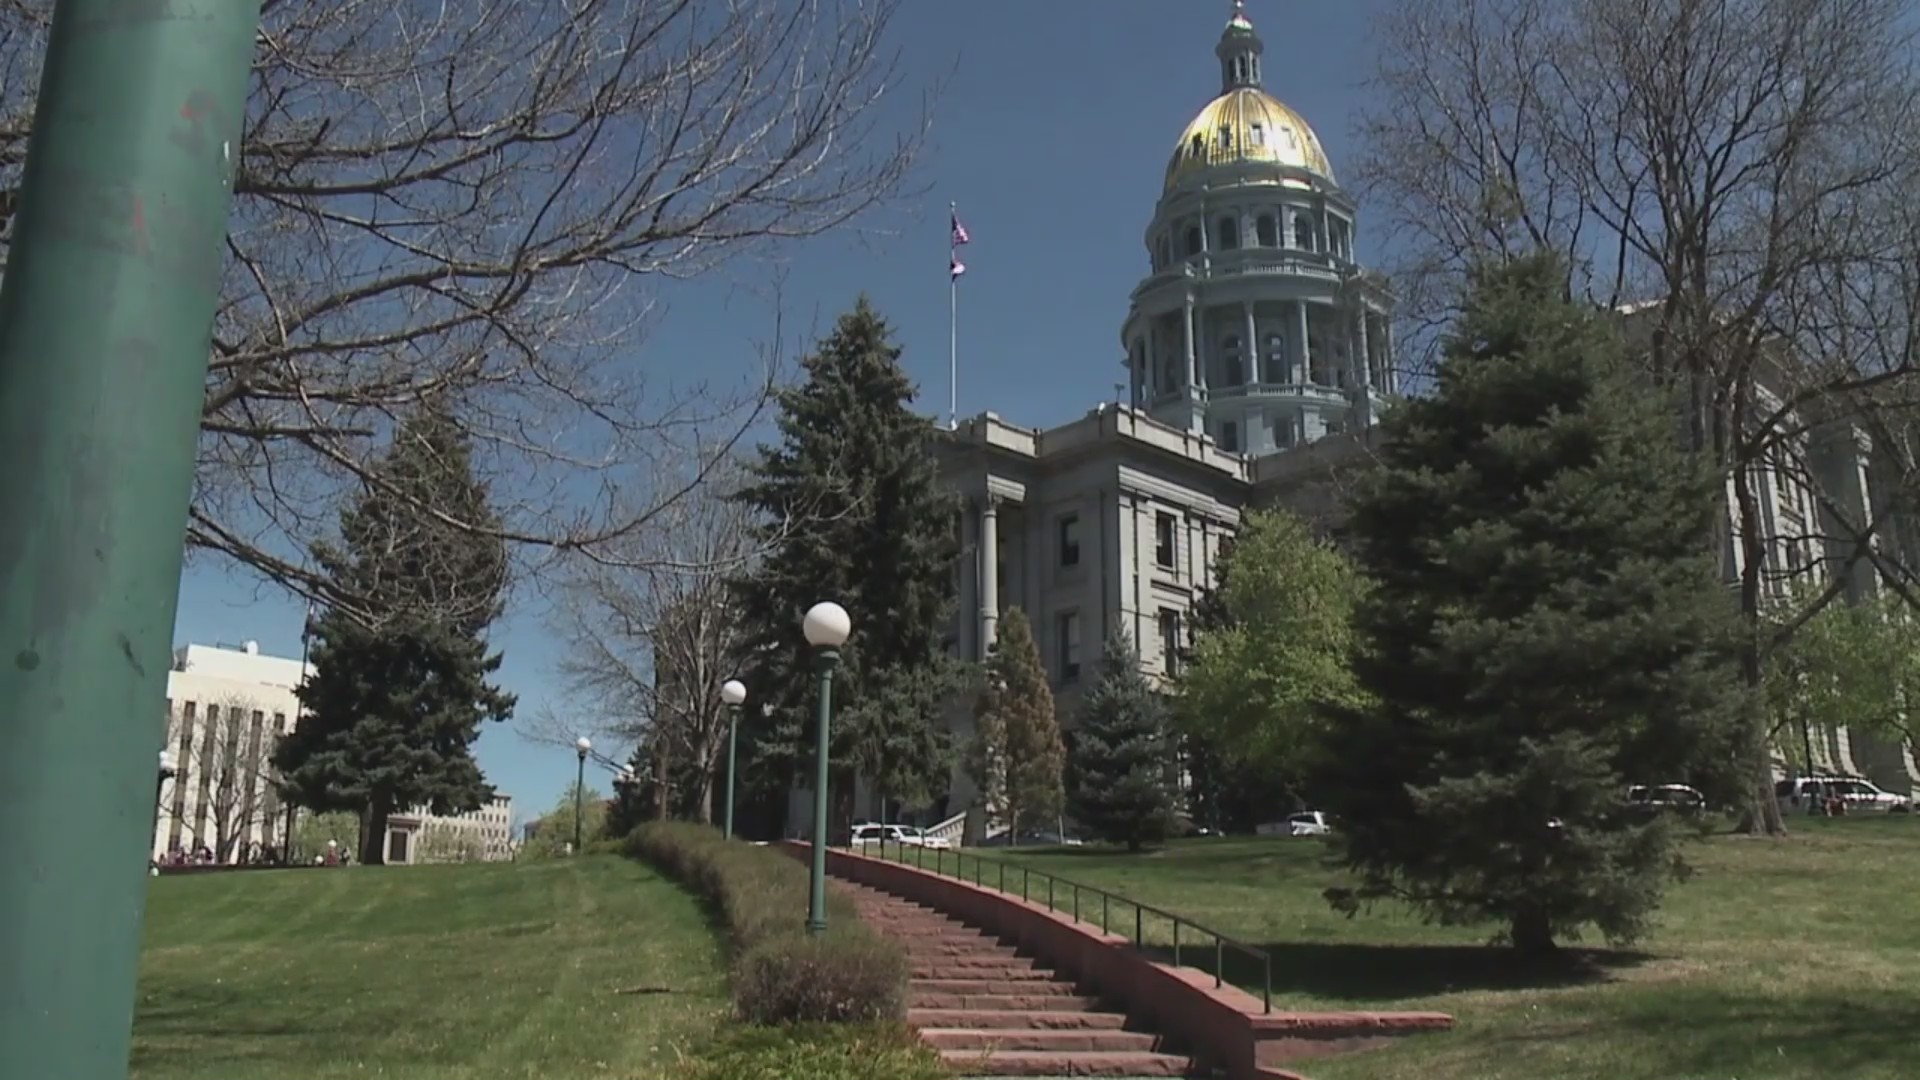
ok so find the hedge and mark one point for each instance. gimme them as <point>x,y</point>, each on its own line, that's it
<point>780,973</point>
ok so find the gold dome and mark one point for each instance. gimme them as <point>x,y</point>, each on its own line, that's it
<point>1247,124</point>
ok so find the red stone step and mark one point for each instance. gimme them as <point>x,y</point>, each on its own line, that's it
<point>1025,987</point>
<point>1021,1019</point>
<point>1055,1040</point>
<point>994,962</point>
<point>922,999</point>
<point>936,947</point>
<point>1051,1063</point>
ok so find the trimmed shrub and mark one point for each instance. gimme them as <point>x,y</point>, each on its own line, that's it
<point>841,1052</point>
<point>780,974</point>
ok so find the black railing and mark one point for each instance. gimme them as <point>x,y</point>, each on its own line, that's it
<point>1066,896</point>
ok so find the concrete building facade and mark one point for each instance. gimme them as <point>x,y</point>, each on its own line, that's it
<point>227,706</point>
<point>1259,356</point>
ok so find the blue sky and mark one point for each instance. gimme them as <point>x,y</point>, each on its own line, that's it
<point>1051,133</point>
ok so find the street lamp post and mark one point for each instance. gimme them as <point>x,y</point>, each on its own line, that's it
<point>826,627</point>
<point>584,745</point>
<point>732,692</point>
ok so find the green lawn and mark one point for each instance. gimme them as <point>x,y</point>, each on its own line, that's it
<point>592,967</point>
<point>1780,960</point>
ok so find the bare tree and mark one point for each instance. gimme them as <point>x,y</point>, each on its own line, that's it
<point>473,205</point>
<point>655,632</point>
<point>227,773</point>
<point>1738,174</point>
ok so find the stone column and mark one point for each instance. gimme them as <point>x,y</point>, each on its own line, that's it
<point>989,576</point>
<point>1253,347</point>
<point>1366,355</point>
<point>1303,365</point>
<point>1186,328</point>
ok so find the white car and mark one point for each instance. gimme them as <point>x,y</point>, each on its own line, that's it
<point>1808,794</point>
<point>905,835</point>
<point>1306,823</point>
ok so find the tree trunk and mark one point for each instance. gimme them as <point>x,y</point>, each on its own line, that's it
<point>1532,935</point>
<point>663,803</point>
<point>373,835</point>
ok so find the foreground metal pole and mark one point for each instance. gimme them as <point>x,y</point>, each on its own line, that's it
<point>817,883</point>
<point>111,282</point>
<point>733,741</point>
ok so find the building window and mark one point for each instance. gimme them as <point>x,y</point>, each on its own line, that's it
<point>1226,137</point>
<point>1259,135</point>
<point>1165,253</point>
<point>1070,540</point>
<point>1067,639</point>
<point>1170,641</point>
<point>1235,372</point>
<point>1303,232</point>
<point>1163,538</point>
<point>1229,436</point>
<point>1199,144</point>
<point>1277,358</point>
<point>1227,230</point>
<point>1193,241</point>
<point>1267,230</point>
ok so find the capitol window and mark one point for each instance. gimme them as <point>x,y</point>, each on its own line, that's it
<point>1303,232</point>
<point>1227,230</point>
<point>1230,359</point>
<point>1267,229</point>
<point>1193,240</point>
<point>1259,135</point>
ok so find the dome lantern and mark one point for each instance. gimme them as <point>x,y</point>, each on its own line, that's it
<point>1239,52</point>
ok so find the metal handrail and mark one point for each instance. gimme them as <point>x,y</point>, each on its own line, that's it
<point>1055,884</point>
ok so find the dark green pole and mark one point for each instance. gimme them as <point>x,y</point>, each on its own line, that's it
<point>579,797</point>
<point>733,744</point>
<point>826,658</point>
<point>106,316</point>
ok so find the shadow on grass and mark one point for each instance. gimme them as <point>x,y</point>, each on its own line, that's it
<point>1350,973</point>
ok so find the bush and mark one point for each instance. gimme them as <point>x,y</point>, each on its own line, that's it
<point>843,1052</point>
<point>780,975</point>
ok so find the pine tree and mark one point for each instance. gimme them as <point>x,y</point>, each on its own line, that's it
<point>1122,754</point>
<point>1544,627</point>
<point>398,693</point>
<point>1017,758</point>
<point>856,514</point>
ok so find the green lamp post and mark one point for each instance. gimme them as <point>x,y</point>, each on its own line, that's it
<point>826,627</point>
<point>584,746</point>
<point>733,693</point>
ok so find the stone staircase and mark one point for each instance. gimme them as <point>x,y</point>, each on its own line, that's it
<point>991,1012</point>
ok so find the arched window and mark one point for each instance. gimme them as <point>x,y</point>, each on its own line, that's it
<point>1226,137</point>
<point>1193,241</point>
<point>1268,231</point>
<point>1303,232</point>
<point>1226,233</point>
<point>1166,254</point>
<point>1276,365</point>
<point>1199,144</point>
<point>1234,368</point>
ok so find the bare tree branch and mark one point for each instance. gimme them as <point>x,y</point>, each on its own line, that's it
<point>475,205</point>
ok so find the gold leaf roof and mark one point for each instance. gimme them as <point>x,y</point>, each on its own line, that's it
<point>1247,124</point>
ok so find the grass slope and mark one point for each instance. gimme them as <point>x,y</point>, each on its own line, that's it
<point>1780,960</point>
<point>592,967</point>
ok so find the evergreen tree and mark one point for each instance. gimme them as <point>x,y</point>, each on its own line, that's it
<point>855,513</point>
<point>1544,627</point>
<point>1122,754</point>
<point>1017,757</point>
<point>399,692</point>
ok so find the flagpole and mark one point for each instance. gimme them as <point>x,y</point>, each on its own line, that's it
<point>953,324</point>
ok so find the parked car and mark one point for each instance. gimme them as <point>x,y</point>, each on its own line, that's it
<point>1810,795</point>
<point>1677,798</point>
<point>1305,823</point>
<point>1034,838</point>
<point>867,832</point>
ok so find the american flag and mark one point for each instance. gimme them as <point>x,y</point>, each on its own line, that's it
<point>959,231</point>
